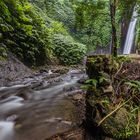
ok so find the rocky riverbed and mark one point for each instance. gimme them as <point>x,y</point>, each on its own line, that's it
<point>49,103</point>
<point>39,105</point>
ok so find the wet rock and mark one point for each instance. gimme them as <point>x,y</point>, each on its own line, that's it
<point>101,110</point>
<point>67,122</point>
<point>12,118</point>
<point>82,80</point>
<point>36,85</point>
<point>108,90</point>
<point>100,63</point>
<point>53,120</point>
<point>12,69</point>
<point>78,91</point>
<point>78,97</point>
<point>18,126</point>
<point>43,70</point>
<point>60,70</point>
<point>70,89</point>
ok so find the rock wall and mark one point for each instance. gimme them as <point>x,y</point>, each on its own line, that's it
<point>12,69</point>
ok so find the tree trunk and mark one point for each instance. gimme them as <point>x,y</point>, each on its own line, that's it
<point>113,23</point>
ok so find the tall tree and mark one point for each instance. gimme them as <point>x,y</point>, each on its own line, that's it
<point>113,6</point>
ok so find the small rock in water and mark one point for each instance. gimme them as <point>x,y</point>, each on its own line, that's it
<point>72,93</point>
<point>82,80</point>
<point>51,120</point>
<point>43,70</point>
<point>12,118</point>
<point>78,97</point>
<point>67,122</point>
<point>68,89</point>
<point>74,71</point>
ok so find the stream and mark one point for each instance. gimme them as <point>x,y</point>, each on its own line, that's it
<point>36,107</point>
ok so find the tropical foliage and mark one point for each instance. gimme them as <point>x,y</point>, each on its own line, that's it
<point>30,29</point>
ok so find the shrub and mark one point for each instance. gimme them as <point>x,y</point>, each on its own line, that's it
<point>67,50</point>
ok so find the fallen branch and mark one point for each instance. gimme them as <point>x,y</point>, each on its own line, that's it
<point>138,125</point>
<point>118,70</point>
<point>118,107</point>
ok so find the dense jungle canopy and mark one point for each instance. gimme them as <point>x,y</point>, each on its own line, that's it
<point>40,31</point>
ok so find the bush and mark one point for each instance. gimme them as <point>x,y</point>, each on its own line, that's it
<point>24,32</point>
<point>67,50</point>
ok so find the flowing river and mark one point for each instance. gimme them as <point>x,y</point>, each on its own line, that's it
<point>36,108</point>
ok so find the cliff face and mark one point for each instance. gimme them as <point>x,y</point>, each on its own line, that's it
<point>12,69</point>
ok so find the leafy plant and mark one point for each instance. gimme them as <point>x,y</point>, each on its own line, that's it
<point>92,82</point>
<point>134,84</point>
<point>67,50</point>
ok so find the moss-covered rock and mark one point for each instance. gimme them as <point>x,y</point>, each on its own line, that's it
<point>98,64</point>
<point>115,115</point>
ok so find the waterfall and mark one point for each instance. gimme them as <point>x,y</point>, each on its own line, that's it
<point>131,33</point>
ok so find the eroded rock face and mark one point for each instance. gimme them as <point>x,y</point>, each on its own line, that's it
<point>11,69</point>
<point>108,109</point>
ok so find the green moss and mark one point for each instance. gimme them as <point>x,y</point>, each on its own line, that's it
<point>122,58</point>
<point>98,64</point>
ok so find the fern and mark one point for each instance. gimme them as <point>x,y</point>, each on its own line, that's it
<point>93,82</point>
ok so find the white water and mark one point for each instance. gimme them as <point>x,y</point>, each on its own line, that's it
<point>47,108</point>
<point>11,103</point>
<point>6,130</point>
<point>50,72</point>
<point>131,33</point>
<point>12,87</point>
<point>52,91</point>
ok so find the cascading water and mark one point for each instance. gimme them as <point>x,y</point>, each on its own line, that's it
<point>131,33</point>
<point>6,130</point>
